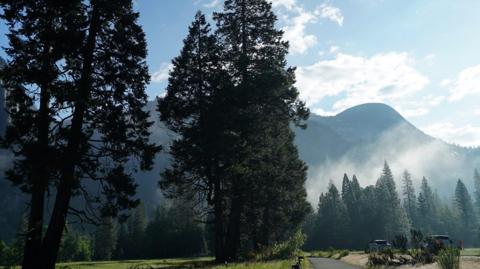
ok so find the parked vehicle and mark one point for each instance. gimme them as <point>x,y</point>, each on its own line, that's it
<point>377,245</point>
<point>437,242</point>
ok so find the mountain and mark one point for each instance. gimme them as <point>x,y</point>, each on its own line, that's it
<point>356,141</point>
<point>360,139</point>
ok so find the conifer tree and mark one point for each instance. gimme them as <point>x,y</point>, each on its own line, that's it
<point>193,108</point>
<point>409,198</point>
<point>105,240</point>
<point>464,206</point>
<point>263,99</point>
<point>40,35</point>
<point>332,220</point>
<point>351,198</point>
<point>234,126</point>
<point>391,214</point>
<point>91,74</point>
<point>476,185</point>
<point>137,225</point>
<point>426,207</point>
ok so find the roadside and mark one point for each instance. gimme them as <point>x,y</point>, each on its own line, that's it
<point>324,263</point>
<point>360,260</point>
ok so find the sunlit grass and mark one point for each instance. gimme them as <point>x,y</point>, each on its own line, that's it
<point>470,252</point>
<point>203,263</point>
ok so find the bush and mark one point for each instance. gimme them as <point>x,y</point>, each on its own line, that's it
<point>416,237</point>
<point>342,254</point>
<point>286,250</point>
<point>75,247</point>
<point>449,258</point>
<point>400,242</point>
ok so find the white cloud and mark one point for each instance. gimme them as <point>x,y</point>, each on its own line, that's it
<point>476,112</point>
<point>467,135</point>
<point>162,73</point>
<point>212,4</point>
<point>334,49</point>
<point>330,12</point>
<point>445,82</point>
<point>387,77</point>
<point>296,18</point>
<point>288,4</point>
<point>467,83</point>
<point>295,33</point>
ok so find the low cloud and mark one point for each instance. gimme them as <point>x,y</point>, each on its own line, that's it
<point>465,135</point>
<point>441,163</point>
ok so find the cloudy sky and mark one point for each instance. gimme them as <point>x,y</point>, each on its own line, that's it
<point>422,57</point>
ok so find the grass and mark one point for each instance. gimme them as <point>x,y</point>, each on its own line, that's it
<point>201,263</point>
<point>331,253</point>
<point>449,259</point>
<point>470,252</point>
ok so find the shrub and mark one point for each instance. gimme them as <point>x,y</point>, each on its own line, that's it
<point>342,254</point>
<point>449,258</point>
<point>416,237</point>
<point>286,250</point>
<point>400,242</point>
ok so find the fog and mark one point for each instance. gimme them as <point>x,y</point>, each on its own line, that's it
<point>441,163</point>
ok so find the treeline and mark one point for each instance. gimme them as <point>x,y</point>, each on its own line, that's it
<point>171,230</point>
<point>354,215</point>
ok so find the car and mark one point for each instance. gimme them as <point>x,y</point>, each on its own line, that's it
<point>377,245</point>
<point>437,242</point>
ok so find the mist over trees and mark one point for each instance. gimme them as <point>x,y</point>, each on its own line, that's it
<point>384,214</point>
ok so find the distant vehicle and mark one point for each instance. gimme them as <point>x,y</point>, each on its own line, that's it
<point>377,245</point>
<point>437,242</point>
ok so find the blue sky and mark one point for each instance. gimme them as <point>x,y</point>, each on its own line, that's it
<point>420,56</point>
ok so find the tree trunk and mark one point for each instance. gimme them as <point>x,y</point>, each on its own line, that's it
<point>33,240</point>
<point>39,176</point>
<point>53,236</point>
<point>233,234</point>
<point>219,229</point>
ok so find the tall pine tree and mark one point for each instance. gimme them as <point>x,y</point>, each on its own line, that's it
<point>409,198</point>
<point>40,34</point>
<point>467,216</point>
<point>476,185</point>
<point>233,114</point>
<point>426,208</point>
<point>332,221</point>
<point>390,212</point>
<point>90,71</point>
<point>105,239</point>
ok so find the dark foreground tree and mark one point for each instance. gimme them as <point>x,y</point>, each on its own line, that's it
<point>231,100</point>
<point>93,120</point>
<point>40,35</point>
